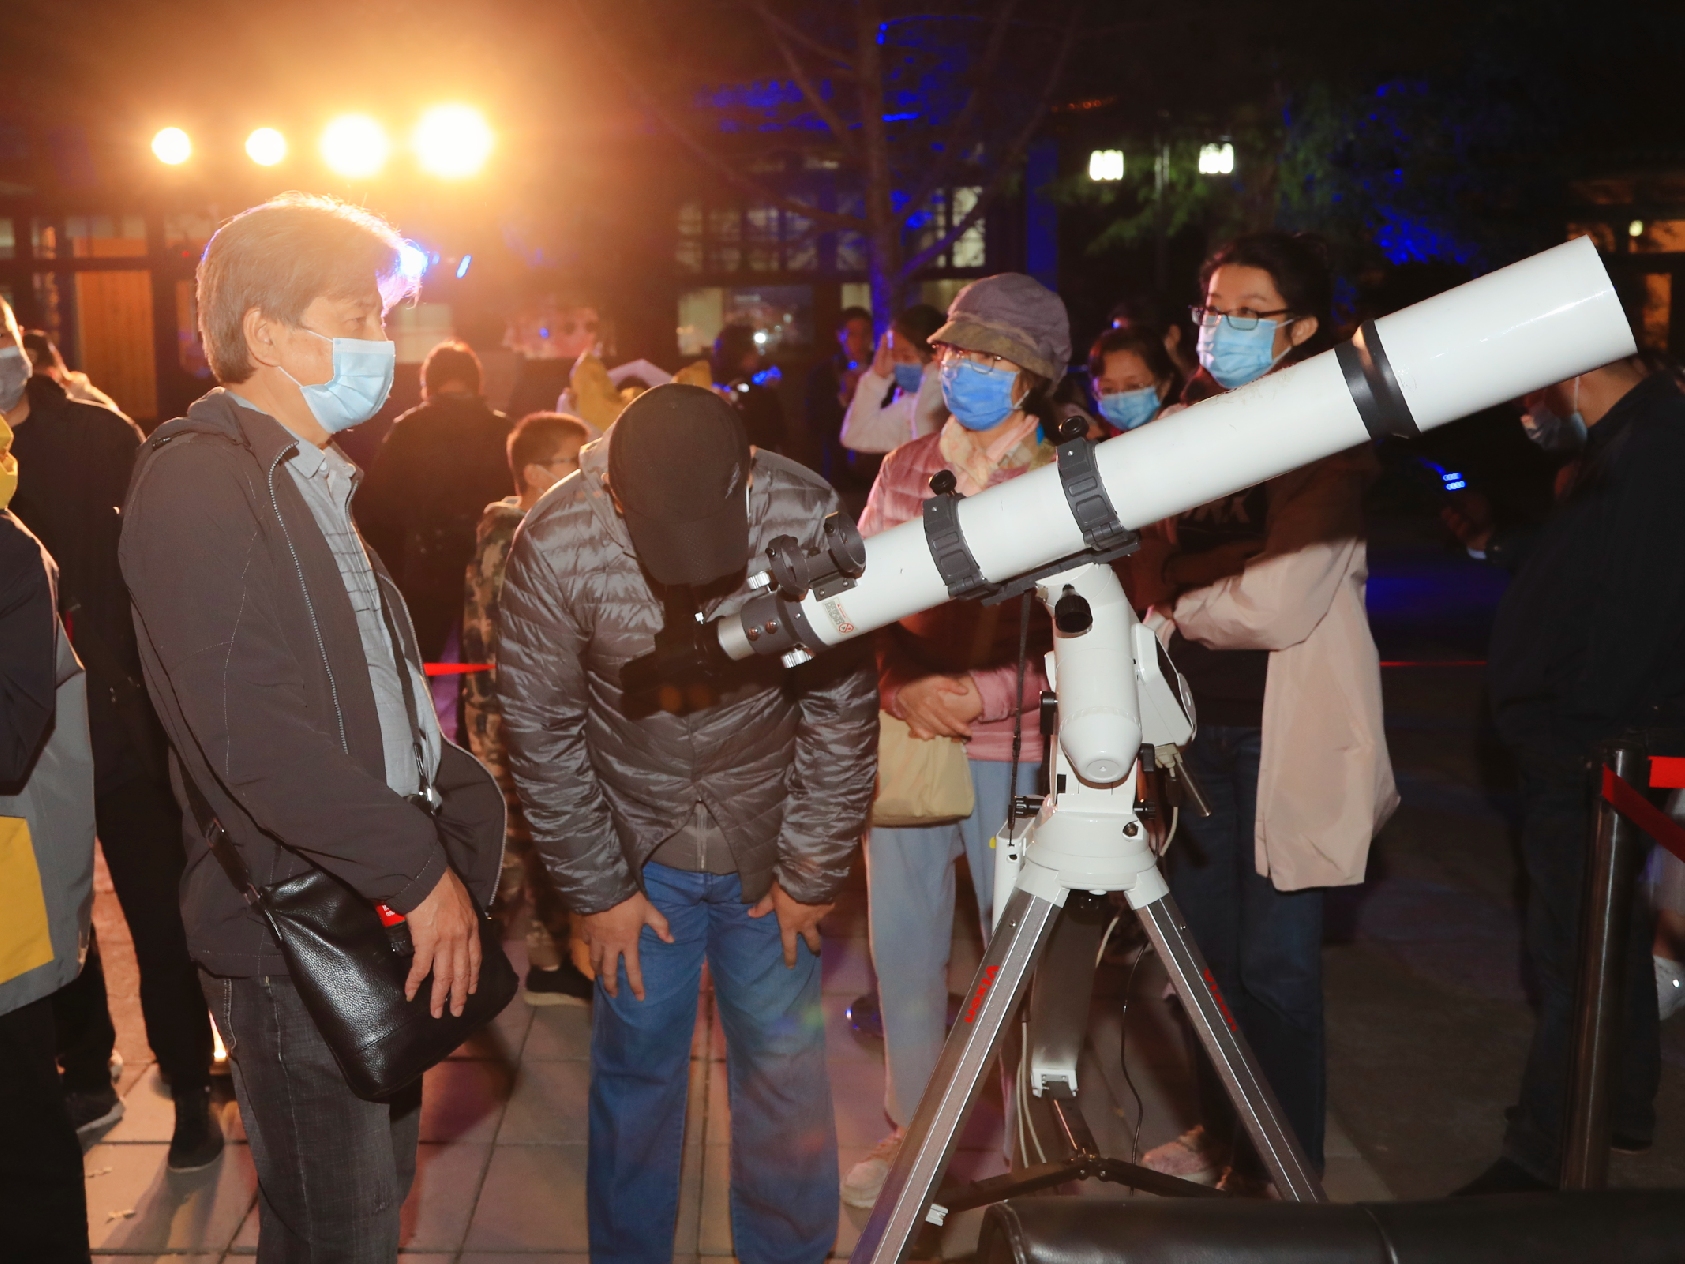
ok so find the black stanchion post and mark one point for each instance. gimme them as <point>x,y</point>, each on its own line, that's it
<point>1617,849</point>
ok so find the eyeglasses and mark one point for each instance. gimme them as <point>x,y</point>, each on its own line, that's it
<point>947,353</point>
<point>1242,319</point>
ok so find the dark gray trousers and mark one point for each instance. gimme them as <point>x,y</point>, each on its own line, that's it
<point>332,1169</point>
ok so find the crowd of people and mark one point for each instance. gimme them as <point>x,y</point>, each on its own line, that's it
<point>252,622</point>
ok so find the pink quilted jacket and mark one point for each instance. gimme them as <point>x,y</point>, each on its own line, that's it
<point>961,636</point>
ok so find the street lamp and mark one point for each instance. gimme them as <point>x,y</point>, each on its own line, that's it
<point>355,145</point>
<point>266,147</point>
<point>1105,164</point>
<point>172,146</point>
<point>1216,160</point>
<point>452,141</point>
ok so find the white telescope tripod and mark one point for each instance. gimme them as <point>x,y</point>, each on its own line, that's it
<point>1113,699</point>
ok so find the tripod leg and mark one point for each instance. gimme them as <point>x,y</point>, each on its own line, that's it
<point>971,1048</point>
<point>1250,1092</point>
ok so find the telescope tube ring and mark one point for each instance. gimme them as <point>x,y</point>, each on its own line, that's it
<point>1374,388</point>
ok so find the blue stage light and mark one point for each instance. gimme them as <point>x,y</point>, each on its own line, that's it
<point>413,261</point>
<point>462,268</point>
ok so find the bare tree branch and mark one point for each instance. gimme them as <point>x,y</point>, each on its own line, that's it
<point>708,156</point>
<point>839,129</point>
<point>954,135</point>
<point>793,33</point>
<point>1008,161</point>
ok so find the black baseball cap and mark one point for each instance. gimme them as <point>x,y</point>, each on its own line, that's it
<point>678,461</point>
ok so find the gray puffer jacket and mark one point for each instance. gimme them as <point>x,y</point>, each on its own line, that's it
<point>786,762</point>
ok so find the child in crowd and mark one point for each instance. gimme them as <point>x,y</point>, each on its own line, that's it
<point>543,450</point>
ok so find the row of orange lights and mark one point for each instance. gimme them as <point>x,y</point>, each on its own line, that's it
<point>451,141</point>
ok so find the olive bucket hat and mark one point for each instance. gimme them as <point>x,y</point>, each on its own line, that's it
<point>1013,316</point>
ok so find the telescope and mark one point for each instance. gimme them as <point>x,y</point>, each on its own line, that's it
<point>1119,702</point>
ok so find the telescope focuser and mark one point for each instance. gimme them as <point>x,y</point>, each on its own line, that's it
<point>772,621</point>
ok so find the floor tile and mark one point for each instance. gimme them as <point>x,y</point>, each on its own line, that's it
<point>545,1257</point>
<point>245,1241</point>
<point>502,1039</point>
<point>135,1204</point>
<point>559,1032</point>
<point>463,1100</point>
<point>441,1202</point>
<point>718,1106</point>
<point>842,1043</point>
<point>690,1170</point>
<point>714,1235</point>
<point>845,966</point>
<point>548,1105</point>
<point>149,1114</point>
<point>533,1199</point>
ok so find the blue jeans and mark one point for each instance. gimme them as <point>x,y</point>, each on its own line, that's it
<point>910,886</point>
<point>1264,946</point>
<point>783,1133</point>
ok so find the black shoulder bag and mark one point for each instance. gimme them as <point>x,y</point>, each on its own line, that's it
<point>349,966</point>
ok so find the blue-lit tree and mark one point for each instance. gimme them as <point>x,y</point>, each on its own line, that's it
<point>908,103</point>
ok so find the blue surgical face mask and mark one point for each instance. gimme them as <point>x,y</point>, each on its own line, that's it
<point>1553,432</point>
<point>909,377</point>
<point>979,396</point>
<point>1128,409</point>
<point>363,369</point>
<point>1238,356</point>
<point>14,377</point>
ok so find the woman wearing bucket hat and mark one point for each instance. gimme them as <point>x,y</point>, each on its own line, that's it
<point>951,673</point>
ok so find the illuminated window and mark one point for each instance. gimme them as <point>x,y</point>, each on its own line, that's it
<point>1216,160</point>
<point>1105,164</point>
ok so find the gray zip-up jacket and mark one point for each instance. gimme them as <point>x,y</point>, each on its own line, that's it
<point>251,654</point>
<point>785,762</point>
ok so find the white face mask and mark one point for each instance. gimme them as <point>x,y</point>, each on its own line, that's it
<point>14,377</point>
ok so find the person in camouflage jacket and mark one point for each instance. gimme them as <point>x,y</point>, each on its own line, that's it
<point>543,450</point>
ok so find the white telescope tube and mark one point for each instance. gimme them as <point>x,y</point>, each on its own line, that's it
<point>1542,320</point>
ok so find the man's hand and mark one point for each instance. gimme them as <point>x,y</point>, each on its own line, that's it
<point>940,706</point>
<point>613,934</point>
<point>794,918</point>
<point>1470,518</point>
<point>883,362</point>
<point>447,944</point>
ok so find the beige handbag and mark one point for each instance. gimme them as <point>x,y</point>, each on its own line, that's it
<point>921,781</point>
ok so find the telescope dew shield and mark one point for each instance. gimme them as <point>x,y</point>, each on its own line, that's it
<point>1542,320</point>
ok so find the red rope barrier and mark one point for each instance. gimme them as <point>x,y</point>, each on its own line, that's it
<point>1630,802</point>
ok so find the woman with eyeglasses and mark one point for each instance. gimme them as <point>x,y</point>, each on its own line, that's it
<point>1261,596</point>
<point>950,674</point>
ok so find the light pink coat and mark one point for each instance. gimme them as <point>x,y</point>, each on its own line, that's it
<point>1325,783</point>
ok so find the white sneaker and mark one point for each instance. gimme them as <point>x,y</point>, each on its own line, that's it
<point>1192,1156</point>
<point>864,1182</point>
<point>1670,987</point>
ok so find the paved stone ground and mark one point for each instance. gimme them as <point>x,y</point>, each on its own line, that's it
<point>1427,1021</point>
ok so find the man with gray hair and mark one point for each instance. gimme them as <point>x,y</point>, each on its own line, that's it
<point>283,665</point>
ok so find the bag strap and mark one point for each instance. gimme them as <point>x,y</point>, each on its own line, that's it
<point>221,846</point>
<point>426,797</point>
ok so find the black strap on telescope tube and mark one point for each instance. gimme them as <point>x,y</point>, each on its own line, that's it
<point>1374,389</point>
<point>948,549</point>
<point>1085,493</point>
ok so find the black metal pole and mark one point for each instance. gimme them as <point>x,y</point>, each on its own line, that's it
<point>1617,848</point>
